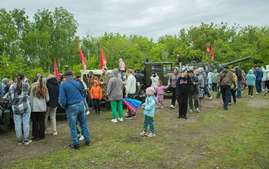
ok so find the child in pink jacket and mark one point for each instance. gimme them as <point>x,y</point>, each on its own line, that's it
<point>160,92</point>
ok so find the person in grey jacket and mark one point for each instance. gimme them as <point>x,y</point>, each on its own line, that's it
<point>115,93</point>
<point>173,80</point>
<point>200,86</point>
<point>204,74</point>
<point>39,97</point>
<point>130,89</point>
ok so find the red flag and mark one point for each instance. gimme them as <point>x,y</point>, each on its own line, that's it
<point>82,58</point>
<point>207,48</point>
<point>212,53</point>
<point>56,72</point>
<point>103,61</point>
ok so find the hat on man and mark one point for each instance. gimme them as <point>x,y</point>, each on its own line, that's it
<point>90,72</point>
<point>68,73</point>
<point>258,66</point>
<point>236,65</point>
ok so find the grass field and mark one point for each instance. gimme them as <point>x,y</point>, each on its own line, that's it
<point>238,138</point>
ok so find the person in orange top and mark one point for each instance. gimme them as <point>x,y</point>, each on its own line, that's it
<point>96,95</point>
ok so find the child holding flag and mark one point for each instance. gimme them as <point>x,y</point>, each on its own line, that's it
<point>149,109</point>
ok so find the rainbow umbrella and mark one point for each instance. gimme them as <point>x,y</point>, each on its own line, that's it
<point>132,104</point>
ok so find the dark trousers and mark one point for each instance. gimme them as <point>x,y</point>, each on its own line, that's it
<point>259,86</point>
<point>250,90</point>
<point>38,130</point>
<point>232,96</point>
<point>96,103</point>
<point>183,104</point>
<point>267,84</point>
<point>214,87</point>
<point>206,90</point>
<point>130,114</point>
<point>194,96</point>
<point>174,96</point>
<point>226,94</point>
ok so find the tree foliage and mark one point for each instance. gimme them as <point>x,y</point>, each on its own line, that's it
<point>29,46</point>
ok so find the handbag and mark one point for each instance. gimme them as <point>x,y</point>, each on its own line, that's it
<point>218,95</point>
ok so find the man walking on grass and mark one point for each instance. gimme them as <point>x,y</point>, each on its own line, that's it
<point>225,80</point>
<point>259,75</point>
<point>72,100</point>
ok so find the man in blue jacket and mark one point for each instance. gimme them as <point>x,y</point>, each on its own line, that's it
<point>71,99</point>
<point>259,75</point>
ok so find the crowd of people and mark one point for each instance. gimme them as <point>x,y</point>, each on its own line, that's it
<point>188,87</point>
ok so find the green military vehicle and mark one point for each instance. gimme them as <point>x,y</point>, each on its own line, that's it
<point>163,69</point>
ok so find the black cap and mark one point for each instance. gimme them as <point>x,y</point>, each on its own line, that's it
<point>236,65</point>
<point>258,66</point>
<point>68,73</point>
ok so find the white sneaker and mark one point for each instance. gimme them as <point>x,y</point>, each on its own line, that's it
<point>197,110</point>
<point>172,106</point>
<point>191,110</point>
<point>27,141</point>
<point>120,119</point>
<point>87,113</point>
<point>251,96</point>
<point>157,107</point>
<point>114,120</point>
<point>262,89</point>
<point>81,138</point>
<point>162,107</point>
<point>151,135</point>
<point>143,133</point>
<point>54,133</point>
<point>257,93</point>
<point>210,97</point>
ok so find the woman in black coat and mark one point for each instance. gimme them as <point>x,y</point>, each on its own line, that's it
<point>53,88</point>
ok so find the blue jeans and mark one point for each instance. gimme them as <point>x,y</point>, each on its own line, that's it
<point>86,105</point>
<point>226,95</point>
<point>239,89</point>
<point>25,119</point>
<point>259,86</point>
<point>76,113</point>
<point>214,87</point>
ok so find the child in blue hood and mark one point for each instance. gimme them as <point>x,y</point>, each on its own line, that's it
<point>149,109</point>
<point>251,78</point>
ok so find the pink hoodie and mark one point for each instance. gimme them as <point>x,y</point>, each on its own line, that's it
<point>160,90</point>
<point>122,64</point>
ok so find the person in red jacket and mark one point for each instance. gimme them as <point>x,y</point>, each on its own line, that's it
<point>96,95</point>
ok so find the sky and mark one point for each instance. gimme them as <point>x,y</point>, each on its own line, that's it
<point>150,18</point>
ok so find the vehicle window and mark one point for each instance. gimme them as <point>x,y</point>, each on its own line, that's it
<point>167,67</point>
<point>156,68</point>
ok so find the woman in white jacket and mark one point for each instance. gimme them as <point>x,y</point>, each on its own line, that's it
<point>39,97</point>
